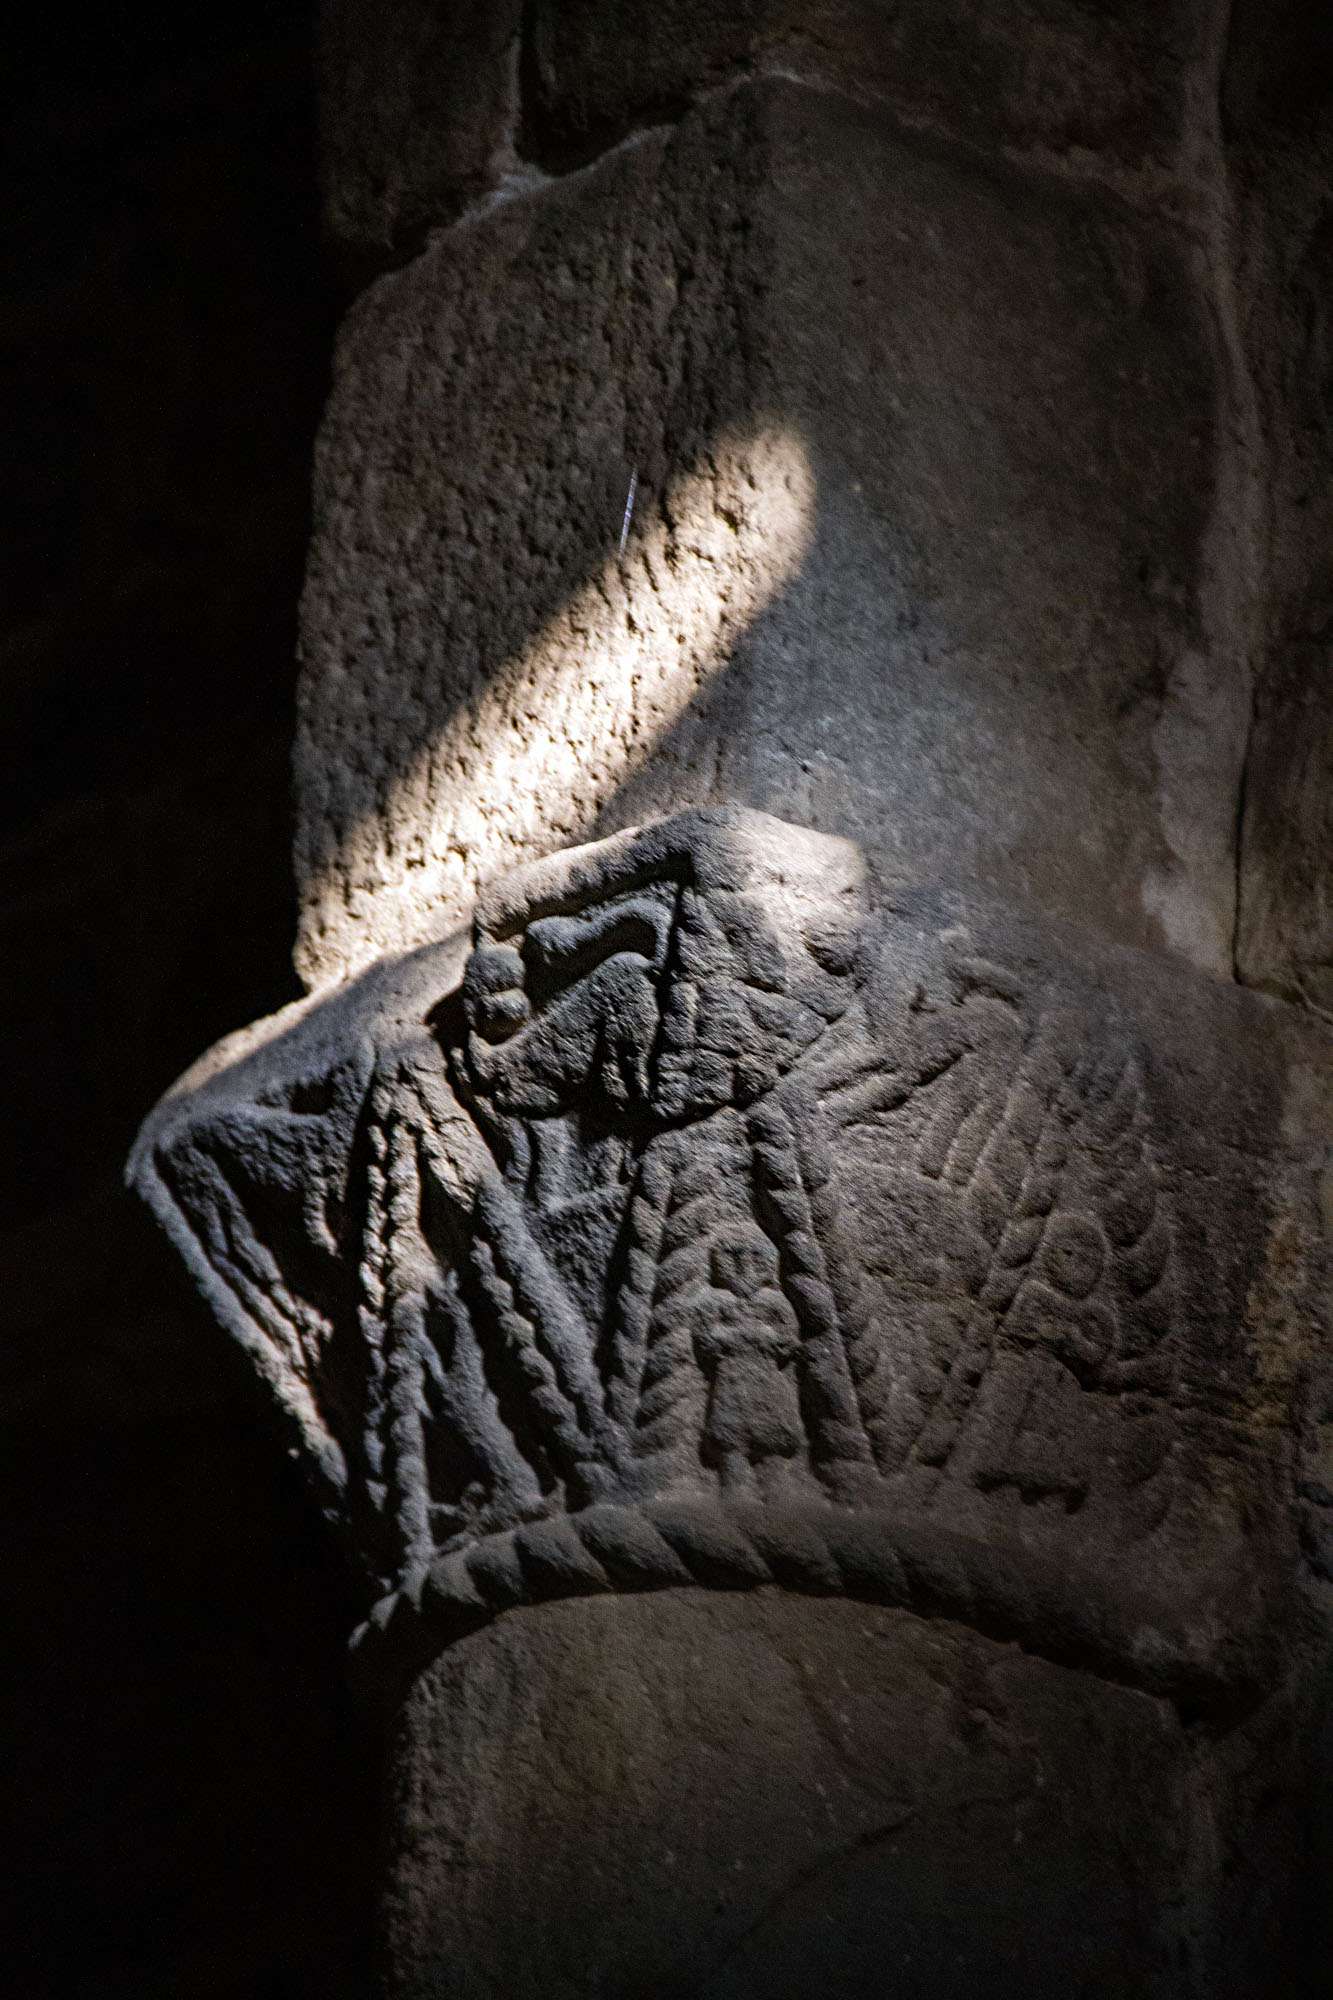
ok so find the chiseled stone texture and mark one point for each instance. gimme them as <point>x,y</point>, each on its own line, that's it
<point>923,457</point>
<point>723,1220</point>
<point>941,1288</point>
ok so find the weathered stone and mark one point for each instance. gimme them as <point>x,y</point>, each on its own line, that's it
<point>920,453</point>
<point>418,101</point>
<point>726,1225</point>
<point>826,1378</point>
<point>1057,74</point>
<point>426,106</point>
<point>752,1796</point>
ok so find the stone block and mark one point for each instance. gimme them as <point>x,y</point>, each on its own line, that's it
<point>1061,75</point>
<point>782,459</point>
<point>426,103</point>
<point>418,102</point>
<point>742,1797</point>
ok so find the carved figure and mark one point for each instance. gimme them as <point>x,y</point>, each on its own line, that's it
<point>718,1226</point>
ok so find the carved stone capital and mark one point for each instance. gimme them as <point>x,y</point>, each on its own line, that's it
<point>721,1219</point>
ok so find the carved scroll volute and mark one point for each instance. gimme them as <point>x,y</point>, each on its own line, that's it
<point>704,1224</point>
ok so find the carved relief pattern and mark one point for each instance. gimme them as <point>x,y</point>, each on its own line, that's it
<point>710,1229</point>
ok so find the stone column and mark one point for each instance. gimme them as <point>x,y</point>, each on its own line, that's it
<point>793,1246</point>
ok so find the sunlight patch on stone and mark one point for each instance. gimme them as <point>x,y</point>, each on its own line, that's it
<point>528,765</point>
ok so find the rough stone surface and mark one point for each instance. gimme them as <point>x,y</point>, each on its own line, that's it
<point>730,1797</point>
<point>724,1796</point>
<point>923,455</point>
<point>427,108</point>
<point>724,1226</point>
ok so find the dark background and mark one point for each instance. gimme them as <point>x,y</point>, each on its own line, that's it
<point>186,1805</point>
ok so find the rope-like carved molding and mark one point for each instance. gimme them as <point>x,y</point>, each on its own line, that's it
<point>869,1555</point>
<point>710,1222</point>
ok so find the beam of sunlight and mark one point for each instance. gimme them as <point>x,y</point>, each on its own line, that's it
<point>528,765</point>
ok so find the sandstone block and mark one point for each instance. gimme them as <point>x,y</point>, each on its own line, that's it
<point>779,459</point>
<point>753,1796</point>
<point>426,103</point>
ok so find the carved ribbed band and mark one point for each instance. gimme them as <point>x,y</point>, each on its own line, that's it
<point>875,1557</point>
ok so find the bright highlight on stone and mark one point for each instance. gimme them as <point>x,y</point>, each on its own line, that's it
<point>528,765</point>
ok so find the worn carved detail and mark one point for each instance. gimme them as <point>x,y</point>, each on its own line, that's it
<point>717,1227</point>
